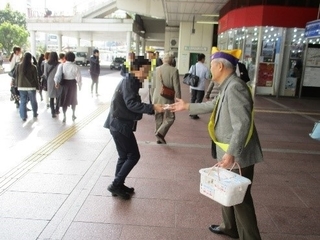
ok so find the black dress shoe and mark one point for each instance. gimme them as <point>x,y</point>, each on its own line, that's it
<point>216,229</point>
<point>118,191</point>
<point>129,190</point>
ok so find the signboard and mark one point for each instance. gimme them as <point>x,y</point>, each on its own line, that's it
<point>312,29</point>
<point>194,48</point>
<point>311,77</point>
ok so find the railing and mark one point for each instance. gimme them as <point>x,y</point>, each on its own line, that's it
<point>81,8</point>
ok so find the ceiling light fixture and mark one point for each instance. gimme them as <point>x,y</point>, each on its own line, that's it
<point>193,31</point>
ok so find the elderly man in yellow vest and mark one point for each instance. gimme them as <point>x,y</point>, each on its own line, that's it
<point>232,128</point>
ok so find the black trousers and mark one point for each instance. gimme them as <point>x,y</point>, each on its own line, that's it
<point>95,81</point>
<point>240,220</point>
<point>196,96</point>
<point>129,155</point>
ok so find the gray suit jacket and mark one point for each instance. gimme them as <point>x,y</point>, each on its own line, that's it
<point>170,76</point>
<point>233,120</point>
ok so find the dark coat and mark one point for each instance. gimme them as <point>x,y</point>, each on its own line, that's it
<point>94,65</point>
<point>130,105</point>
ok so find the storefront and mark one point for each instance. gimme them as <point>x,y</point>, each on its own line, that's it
<point>272,45</point>
<point>311,71</point>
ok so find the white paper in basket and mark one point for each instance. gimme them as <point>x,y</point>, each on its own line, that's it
<point>223,186</point>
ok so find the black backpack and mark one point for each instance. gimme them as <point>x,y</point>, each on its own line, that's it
<point>243,72</point>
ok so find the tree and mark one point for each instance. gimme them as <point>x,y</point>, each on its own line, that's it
<point>12,29</point>
<point>13,17</point>
<point>12,34</point>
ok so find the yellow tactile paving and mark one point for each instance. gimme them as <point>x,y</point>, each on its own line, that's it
<point>14,174</point>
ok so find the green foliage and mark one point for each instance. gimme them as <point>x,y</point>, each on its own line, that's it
<point>12,29</point>
<point>13,17</point>
<point>11,35</point>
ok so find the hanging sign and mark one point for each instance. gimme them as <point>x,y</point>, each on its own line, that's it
<point>312,29</point>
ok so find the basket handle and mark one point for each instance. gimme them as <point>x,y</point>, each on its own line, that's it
<point>217,165</point>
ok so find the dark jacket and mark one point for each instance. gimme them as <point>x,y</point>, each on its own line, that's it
<point>28,81</point>
<point>94,65</point>
<point>130,105</point>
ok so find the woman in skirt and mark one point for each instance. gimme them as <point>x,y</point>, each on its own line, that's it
<point>67,77</point>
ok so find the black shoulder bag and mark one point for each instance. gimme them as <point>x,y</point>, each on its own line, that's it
<point>191,79</point>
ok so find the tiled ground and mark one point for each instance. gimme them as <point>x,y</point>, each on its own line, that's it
<point>63,195</point>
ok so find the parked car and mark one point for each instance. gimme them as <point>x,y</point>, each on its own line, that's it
<point>117,63</point>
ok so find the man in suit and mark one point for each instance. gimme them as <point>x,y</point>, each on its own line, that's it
<point>231,127</point>
<point>168,76</point>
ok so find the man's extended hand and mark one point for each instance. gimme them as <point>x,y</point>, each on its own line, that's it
<point>179,105</point>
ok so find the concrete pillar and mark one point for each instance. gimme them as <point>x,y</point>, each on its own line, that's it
<point>128,43</point>
<point>33,42</point>
<point>78,42</point>
<point>59,43</point>
<point>137,45</point>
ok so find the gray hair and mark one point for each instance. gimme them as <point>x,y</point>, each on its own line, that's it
<point>167,58</point>
<point>226,63</point>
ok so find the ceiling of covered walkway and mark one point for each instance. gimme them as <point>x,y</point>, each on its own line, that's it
<point>151,18</point>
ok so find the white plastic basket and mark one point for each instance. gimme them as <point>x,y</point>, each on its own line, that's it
<point>223,186</point>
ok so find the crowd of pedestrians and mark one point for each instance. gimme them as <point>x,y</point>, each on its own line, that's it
<point>54,76</point>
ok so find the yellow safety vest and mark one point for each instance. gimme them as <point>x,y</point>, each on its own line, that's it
<point>224,146</point>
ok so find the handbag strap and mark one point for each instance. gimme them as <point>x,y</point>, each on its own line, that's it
<point>195,69</point>
<point>161,77</point>
<point>51,70</point>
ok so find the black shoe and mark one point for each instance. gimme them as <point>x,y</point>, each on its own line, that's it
<point>216,229</point>
<point>74,118</point>
<point>35,115</point>
<point>161,138</point>
<point>28,109</point>
<point>194,116</point>
<point>129,190</point>
<point>159,142</point>
<point>54,116</point>
<point>17,105</point>
<point>118,191</point>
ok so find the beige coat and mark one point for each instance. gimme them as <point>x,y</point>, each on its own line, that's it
<point>170,76</point>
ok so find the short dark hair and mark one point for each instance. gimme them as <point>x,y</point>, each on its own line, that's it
<point>62,55</point>
<point>95,51</point>
<point>201,56</point>
<point>70,57</point>
<point>138,62</point>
